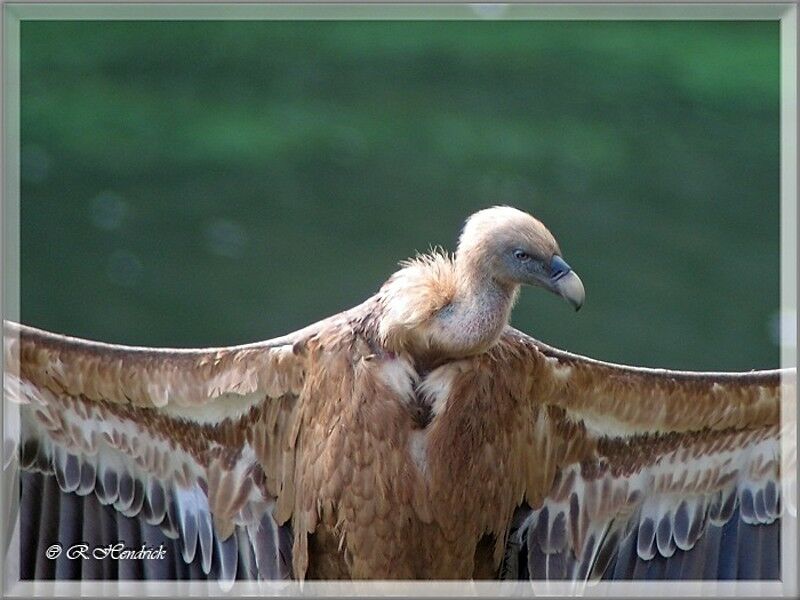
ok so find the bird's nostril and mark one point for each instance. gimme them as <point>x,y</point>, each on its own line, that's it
<point>558,268</point>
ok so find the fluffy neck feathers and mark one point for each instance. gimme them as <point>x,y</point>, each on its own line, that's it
<point>438,307</point>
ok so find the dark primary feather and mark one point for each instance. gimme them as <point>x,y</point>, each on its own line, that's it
<point>735,550</point>
<point>51,516</point>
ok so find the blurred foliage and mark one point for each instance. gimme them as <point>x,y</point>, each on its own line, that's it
<point>211,183</point>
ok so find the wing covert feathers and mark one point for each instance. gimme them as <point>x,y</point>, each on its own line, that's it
<point>151,377</point>
<point>197,442</point>
<point>319,427</point>
<point>623,400</point>
<point>655,454</point>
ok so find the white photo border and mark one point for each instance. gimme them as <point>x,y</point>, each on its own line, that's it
<point>14,13</point>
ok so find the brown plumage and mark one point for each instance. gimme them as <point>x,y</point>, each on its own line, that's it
<point>399,437</point>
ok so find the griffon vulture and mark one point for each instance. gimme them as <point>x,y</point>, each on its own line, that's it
<point>414,436</point>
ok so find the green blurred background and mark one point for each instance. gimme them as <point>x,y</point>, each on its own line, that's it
<point>212,183</point>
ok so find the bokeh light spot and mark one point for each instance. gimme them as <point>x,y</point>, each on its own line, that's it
<point>225,237</point>
<point>108,210</point>
<point>783,328</point>
<point>124,268</point>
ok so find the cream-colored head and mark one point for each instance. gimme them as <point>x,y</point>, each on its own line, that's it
<point>512,248</point>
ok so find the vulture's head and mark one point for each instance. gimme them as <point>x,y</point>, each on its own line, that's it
<point>514,248</point>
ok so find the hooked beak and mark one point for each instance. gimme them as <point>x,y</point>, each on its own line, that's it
<point>565,283</point>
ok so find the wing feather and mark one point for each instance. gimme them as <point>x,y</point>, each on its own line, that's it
<point>155,377</point>
<point>195,442</point>
<point>622,400</point>
<point>649,459</point>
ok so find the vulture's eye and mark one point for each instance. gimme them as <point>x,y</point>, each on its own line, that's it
<point>521,255</point>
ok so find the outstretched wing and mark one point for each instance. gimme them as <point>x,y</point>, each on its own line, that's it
<point>198,443</point>
<point>641,463</point>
